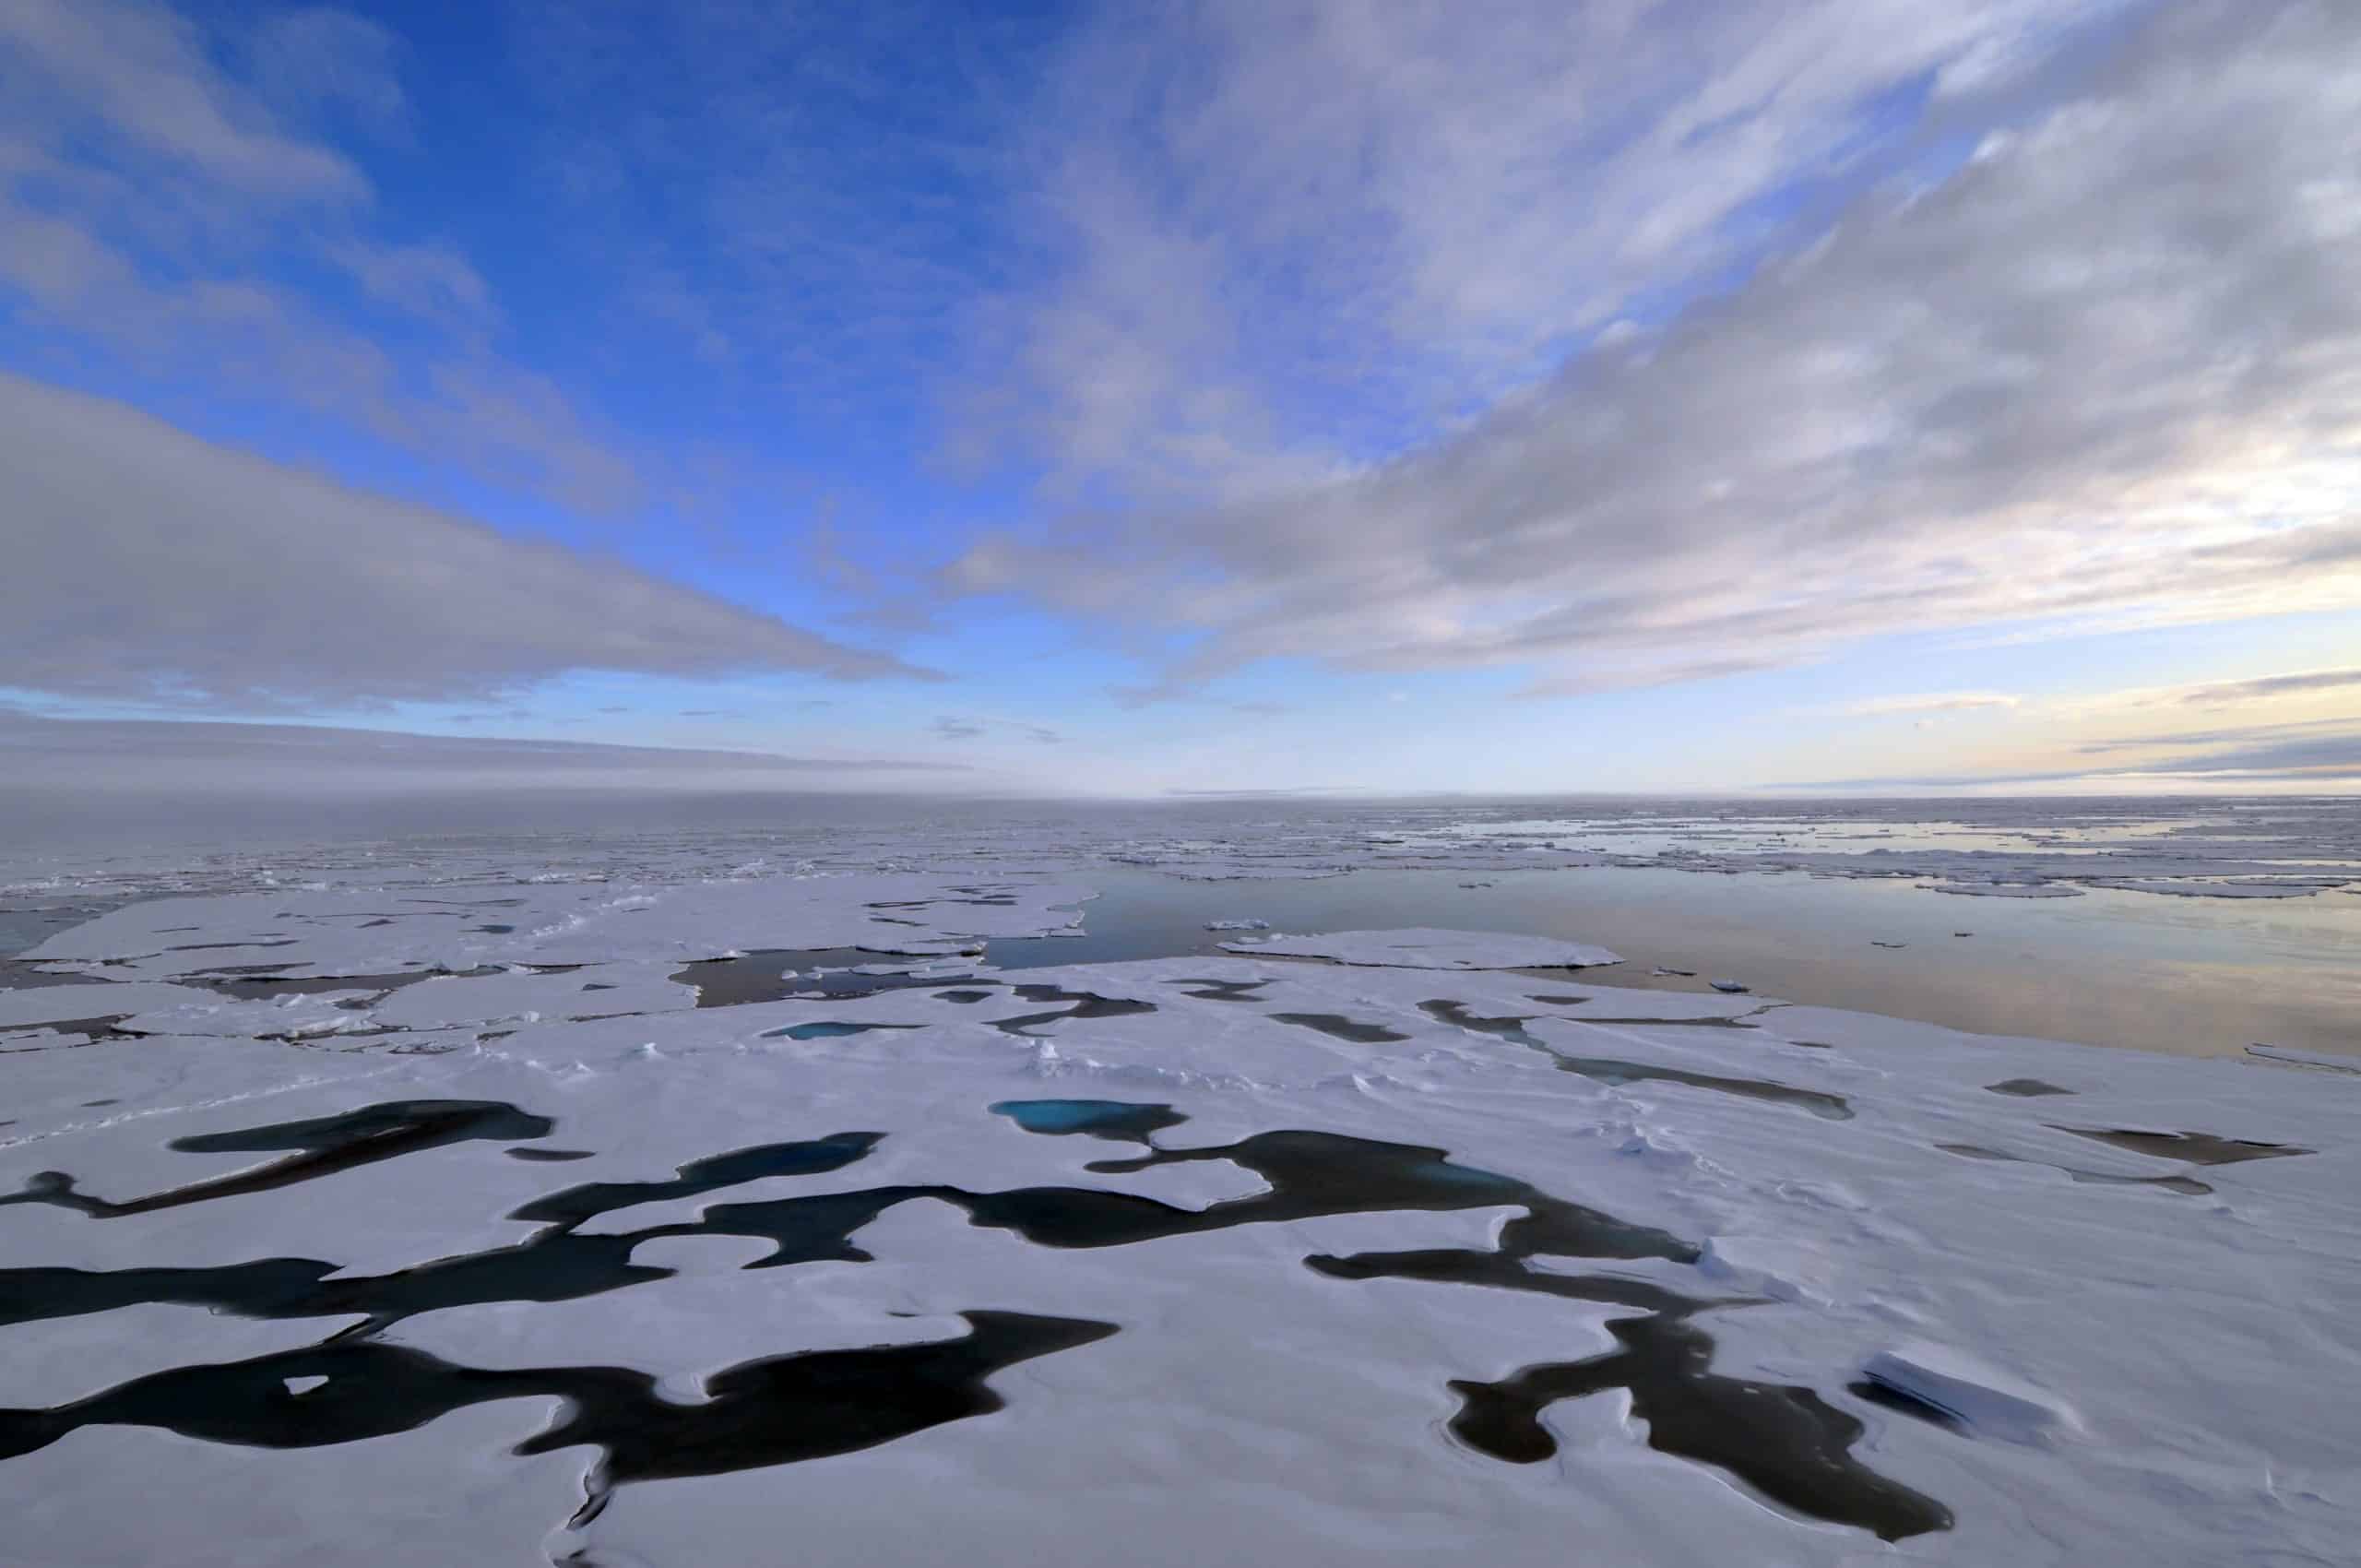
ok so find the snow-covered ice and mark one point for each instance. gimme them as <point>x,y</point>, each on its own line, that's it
<point>492,1245</point>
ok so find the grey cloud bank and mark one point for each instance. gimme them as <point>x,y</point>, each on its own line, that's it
<point>2326,753</point>
<point>2301,683</point>
<point>166,755</point>
<point>146,563</point>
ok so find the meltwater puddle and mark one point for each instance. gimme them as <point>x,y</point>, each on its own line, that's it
<point>1783,1441</point>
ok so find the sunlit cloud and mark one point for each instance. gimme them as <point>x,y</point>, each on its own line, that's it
<point>2017,393</point>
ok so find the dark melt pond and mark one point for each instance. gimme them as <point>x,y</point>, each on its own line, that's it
<point>1783,1442</point>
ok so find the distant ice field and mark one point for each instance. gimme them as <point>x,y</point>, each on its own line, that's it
<point>2200,927</point>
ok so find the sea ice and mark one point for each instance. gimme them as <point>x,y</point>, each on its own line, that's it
<point>1306,1257</point>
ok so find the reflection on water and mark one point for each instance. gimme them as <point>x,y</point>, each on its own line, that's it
<point>2201,977</point>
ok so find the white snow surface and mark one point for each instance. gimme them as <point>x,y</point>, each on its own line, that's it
<point>2144,1375</point>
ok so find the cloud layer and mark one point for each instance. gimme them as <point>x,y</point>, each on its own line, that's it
<point>189,197</point>
<point>144,563</point>
<point>2105,372</point>
<point>94,750</point>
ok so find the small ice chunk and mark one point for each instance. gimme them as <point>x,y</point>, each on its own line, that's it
<point>1984,1399</point>
<point>1731,987</point>
<point>303,1385</point>
<point>2004,890</point>
<point>1238,925</point>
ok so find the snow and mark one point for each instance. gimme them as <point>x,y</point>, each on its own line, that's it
<point>2134,1374</point>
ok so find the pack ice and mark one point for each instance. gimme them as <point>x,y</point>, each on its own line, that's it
<point>472,1222</point>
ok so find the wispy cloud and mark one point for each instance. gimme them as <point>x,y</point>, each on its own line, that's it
<point>1935,702</point>
<point>2320,752</point>
<point>2244,692</point>
<point>1286,232</point>
<point>2235,735</point>
<point>2023,394</point>
<point>144,77</point>
<point>2301,683</point>
<point>175,195</point>
<point>955,727</point>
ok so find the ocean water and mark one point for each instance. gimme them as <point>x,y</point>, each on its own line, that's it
<point>2201,976</point>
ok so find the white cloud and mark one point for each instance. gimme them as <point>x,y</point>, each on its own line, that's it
<point>430,280</point>
<point>144,78</point>
<point>1290,233</point>
<point>2107,373</point>
<point>145,564</point>
<point>316,59</point>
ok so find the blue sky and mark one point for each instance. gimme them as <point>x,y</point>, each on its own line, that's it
<point>1515,396</point>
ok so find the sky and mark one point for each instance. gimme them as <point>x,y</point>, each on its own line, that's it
<point>1049,396</point>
